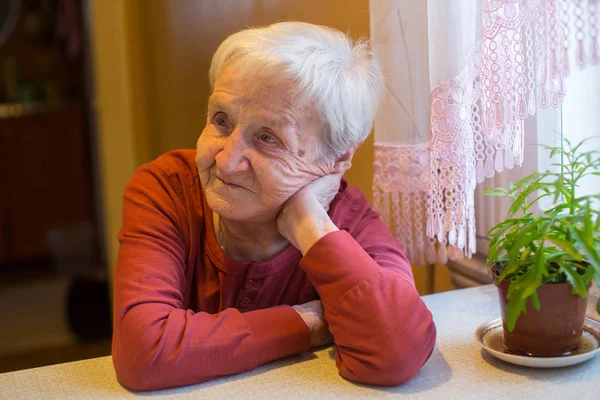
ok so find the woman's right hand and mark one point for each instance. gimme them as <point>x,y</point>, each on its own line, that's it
<point>304,219</point>
<point>313,315</point>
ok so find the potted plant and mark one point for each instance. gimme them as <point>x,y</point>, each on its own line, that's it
<point>544,260</point>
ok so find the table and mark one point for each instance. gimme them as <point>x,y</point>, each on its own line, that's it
<point>458,369</point>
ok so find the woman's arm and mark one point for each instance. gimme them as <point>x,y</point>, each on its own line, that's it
<point>156,342</point>
<point>383,331</point>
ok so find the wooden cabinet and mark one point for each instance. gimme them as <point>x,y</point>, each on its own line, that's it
<point>46,182</point>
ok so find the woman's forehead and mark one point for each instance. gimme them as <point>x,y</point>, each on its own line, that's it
<point>235,80</point>
<point>274,96</point>
<point>274,111</point>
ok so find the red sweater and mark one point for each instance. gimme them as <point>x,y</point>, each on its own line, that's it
<point>185,313</point>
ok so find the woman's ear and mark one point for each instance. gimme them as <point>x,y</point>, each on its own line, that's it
<point>344,162</point>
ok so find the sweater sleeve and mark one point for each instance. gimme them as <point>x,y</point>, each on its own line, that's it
<point>383,331</point>
<point>156,342</point>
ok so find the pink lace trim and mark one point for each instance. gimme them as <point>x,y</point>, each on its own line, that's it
<point>400,195</point>
<point>477,117</point>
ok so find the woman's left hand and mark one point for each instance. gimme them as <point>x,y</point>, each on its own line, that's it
<point>303,219</point>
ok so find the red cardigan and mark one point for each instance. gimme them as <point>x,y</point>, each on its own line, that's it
<point>185,313</point>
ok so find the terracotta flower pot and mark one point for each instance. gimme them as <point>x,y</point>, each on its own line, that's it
<point>555,329</point>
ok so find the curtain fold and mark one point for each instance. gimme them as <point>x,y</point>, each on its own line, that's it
<point>480,68</point>
<point>401,170</point>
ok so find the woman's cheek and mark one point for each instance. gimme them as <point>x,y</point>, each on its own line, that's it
<point>285,186</point>
<point>206,150</point>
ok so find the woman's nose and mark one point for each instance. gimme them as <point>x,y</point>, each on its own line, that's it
<point>231,158</point>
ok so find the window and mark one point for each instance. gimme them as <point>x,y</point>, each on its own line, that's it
<point>578,118</point>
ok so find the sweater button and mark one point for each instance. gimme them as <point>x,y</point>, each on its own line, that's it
<point>249,283</point>
<point>246,302</point>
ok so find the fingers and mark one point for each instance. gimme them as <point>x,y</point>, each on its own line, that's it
<point>314,306</point>
<point>313,315</point>
<point>325,188</point>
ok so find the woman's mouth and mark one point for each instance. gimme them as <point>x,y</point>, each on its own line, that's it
<point>228,183</point>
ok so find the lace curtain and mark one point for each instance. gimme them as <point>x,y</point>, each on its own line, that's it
<point>462,76</point>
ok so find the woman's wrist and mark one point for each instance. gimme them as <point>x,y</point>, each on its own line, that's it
<point>312,230</point>
<point>304,226</point>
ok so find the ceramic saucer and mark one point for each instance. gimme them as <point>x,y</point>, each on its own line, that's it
<point>490,335</point>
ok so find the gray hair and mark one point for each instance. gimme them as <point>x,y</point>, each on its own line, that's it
<point>339,76</point>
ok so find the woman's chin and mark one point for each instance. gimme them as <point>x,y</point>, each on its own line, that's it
<point>229,209</point>
<point>243,212</point>
<point>221,206</point>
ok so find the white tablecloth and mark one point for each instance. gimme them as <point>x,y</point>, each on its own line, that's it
<point>458,369</point>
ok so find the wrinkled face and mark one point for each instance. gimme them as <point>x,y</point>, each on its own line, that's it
<point>257,149</point>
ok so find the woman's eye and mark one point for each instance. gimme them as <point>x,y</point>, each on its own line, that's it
<point>220,119</point>
<point>265,137</point>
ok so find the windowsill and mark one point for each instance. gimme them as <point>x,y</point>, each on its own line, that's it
<point>469,272</point>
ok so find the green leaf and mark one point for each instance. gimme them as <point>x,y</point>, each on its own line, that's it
<point>522,197</point>
<point>574,279</point>
<point>538,198</point>
<point>526,236</point>
<point>515,306</point>
<point>575,150</point>
<point>522,288</point>
<point>566,246</point>
<point>510,268</point>
<point>540,270</point>
<point>535,300</point>
<point>589,249</point>
<point>499,231</point>
<point>558,257</point>
<point>525,181</point>
<point>587,221</point>
<point>561,189</point>
<point>588,275</point>
<point>492,255</point>
<point>491,192</point>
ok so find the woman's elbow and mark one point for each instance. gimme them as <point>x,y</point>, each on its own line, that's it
<point>142,355</point>
<point>133,372</point>
<point>404,364</point>
<point>146,365</point>
<point>395,365</point>
<point>140,364</point>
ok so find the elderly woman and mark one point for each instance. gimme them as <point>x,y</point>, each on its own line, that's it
<point>253,247</point>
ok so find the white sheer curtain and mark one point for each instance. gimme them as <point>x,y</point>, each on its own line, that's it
<point>475,70</point>
<point>401,182</point>
<point>421,45</point>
